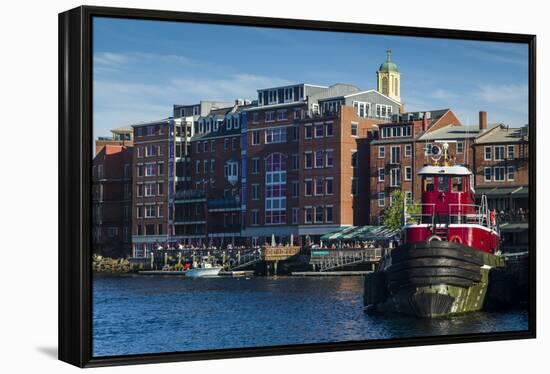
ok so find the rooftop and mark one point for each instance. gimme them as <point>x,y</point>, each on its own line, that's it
<point>504,134</point>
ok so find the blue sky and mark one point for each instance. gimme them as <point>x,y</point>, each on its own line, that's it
<point>142,68</point>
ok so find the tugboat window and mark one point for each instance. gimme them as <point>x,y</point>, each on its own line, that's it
<point>429,184</point>
<point>457,184</point>
<point>443,184</point>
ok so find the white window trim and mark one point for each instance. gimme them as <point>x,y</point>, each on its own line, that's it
<point>485,174</point>
<point>513,168</point>
<point>325,189</point>
<point>383,174</point>
<point>504,171</point>
<point>381,197</point>
<point>405,177</point>
<point>383,153</point>
<point>485,153</point>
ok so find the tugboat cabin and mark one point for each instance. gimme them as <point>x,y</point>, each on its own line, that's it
<point>448,211</point>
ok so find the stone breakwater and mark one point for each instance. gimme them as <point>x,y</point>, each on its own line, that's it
<point>102,264</point>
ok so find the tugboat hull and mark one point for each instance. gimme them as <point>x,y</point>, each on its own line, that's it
<point>430,279</point>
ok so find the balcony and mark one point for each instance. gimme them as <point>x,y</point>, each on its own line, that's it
<point>224,204</point>
<point>190,196</point>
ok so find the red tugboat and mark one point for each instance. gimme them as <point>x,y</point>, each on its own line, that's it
<point>446,251</point>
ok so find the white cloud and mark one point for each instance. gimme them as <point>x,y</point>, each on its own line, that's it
<point>117,103</point>
<point>509,96</point>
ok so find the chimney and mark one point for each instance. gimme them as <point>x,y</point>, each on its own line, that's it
<point>424,122</point>
<point>482,121</point>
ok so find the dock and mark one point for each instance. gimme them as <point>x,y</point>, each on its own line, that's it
<point>330,273</point>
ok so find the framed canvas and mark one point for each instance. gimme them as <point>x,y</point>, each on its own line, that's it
<point>234,186</point>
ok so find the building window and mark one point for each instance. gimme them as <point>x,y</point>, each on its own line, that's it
<point>318,214</point>
<point>408,173</point>
<point>295,133</point>
<point>488,155</point>
<point>205,166</point>
<point>329,156</point>
<point>308,187</point>
<point>329,129</point>
<point>255,137</point>
<point>381,199</point>
<point>353,129</point>
<point>139,212</point>
<point>499,173</point>
<point>395,177</point>
<point>383,111</point>
<point>354,186</point>
<point>139,191</point>
<point>295,189</point>
<point>295,216</point>
<point>460,147</point>
<point>511,173</point>
<point>197,167</point>
<point>272,96</point>
<point>499,153</point>
<point>255,217</point>
<point>319,130</point>
<point>149,170</point>
<point>361,108</point>
<point>329,189</point>
<point>277,135</point>
<point>295,161</point>
<point>308,160</point>
<point>395,155</point>
<point>150,189</point>
<point>381,175</point>
<point>318,159</point>
<point>488,174</point>
<point>408,150</point>
<point>381,151</point>
<point>255,191</point>
<point>159,211</point>
<point>354,159</point>
<point>212,146</point>
<point>160,188</point>
<point>255,117</point>
<point>275,189</point>
<point>212,166</point>
<point>234,144</point>
<point>269,116</point>
<point>139,170</point>
<point>255,165</point>
<point>160,169</point>
<point>282,115</point>
<point>308,214</point>
<point>149,211</point>
<point>329,214</point>
<point>226,144</point>
<point>308,131</point>
<point>510,152</point>
<point>298,114</point>
<point>319,184</point>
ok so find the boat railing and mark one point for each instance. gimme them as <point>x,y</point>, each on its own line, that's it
<point>463,213</point>
<point>416,218</point>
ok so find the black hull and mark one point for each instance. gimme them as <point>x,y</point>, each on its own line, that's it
<point>430,279</point>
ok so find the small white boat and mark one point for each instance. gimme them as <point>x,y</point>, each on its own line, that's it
<point>206,269</point>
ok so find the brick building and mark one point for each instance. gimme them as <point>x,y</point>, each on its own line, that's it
<point>152,185</point>
<point>112,200</point>
<point>123,136</point>
<point>397,151</point>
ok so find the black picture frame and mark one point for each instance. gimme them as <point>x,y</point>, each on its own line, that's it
<point>75,166</point>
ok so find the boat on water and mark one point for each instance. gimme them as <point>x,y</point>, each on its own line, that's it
<point>205,268</point>
<point>447,250</point>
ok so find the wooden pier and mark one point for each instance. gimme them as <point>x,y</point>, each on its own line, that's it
<point>324,260</point>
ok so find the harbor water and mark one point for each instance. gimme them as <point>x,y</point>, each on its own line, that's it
<point>135,314</point>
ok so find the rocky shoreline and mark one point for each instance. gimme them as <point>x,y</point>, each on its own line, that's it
<point>102,264</point>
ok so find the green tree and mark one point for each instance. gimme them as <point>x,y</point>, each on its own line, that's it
<point>393,215</point>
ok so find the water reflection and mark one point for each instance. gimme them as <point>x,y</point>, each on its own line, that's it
<point>136,314</point>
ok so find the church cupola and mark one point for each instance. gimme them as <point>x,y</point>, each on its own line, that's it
<point>388,78</point>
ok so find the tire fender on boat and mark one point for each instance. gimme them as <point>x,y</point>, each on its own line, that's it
<point>434,237</point>
<point>456,239</point>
